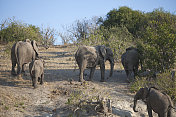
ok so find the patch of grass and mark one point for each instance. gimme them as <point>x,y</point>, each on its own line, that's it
<point>19,104</point>
<point>75,96</point>
<point>6,108</point>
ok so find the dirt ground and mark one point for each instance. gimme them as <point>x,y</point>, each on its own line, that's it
<point>61,91</point>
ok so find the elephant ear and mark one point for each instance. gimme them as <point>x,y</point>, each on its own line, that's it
<point>103,51</point>
<point>34,45</point>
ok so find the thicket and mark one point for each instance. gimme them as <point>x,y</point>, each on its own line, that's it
<point>153,33</point>
<point>12,30</point>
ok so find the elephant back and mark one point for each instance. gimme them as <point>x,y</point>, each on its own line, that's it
<point>159,100</point>
<point>87,53</point>
<point>24,52</point>
<point>131,55</point>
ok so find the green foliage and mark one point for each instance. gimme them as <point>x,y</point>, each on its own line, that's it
<point>75,96</point>
<point>13,30</point>
<point>132,20</point>
<point>158,41</point>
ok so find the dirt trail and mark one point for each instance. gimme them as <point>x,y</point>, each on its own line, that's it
<point>19,99</point>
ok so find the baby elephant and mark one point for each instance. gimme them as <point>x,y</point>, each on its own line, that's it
<point>36,69</point>
<point>157,101</point>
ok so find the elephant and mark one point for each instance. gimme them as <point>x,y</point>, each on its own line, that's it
<point>90,57</point>
<point>23,52</point>
<point>130,61</point>
<point>155,100</point>
<point>36,69</point>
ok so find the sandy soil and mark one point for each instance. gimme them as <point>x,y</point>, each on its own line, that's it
<point>61,91</point>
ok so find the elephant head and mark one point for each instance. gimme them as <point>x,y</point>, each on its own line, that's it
<point>141,94</point>
<point>107,54</point>
<point>34,45</point>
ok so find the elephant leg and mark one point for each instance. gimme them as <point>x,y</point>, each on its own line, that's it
<point>135,71</point>
<point>102,68</point>
<point>82,67</point>
<point>35,82</point>
<point>32,80</point>
<point>92,70</point>
<point>13,68</point>
<point>41,80</point>
<point>19,69</point>
<point>23,69</point>
<point>130,75</point>
<point>149,111</point>
<point>127,74</point>
<point>163,115</point>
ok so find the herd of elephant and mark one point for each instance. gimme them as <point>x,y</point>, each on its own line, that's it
<point>24,52</point>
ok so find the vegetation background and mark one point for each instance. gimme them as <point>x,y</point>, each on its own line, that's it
<point>153,33</point>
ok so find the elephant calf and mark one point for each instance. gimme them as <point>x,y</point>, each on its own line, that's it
<point>157,101</point>
<point>36,69</point>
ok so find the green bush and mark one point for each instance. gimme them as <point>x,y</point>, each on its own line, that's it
<point>12,30</point>
<point>158,41</point>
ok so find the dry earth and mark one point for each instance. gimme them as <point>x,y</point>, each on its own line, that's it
<point>58,96</point>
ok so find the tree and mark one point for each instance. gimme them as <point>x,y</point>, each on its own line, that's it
<point>124,16</point>
<point>48,36</point>
<point>80,30</point>
<point>14,30</point>
<point>158,41</point>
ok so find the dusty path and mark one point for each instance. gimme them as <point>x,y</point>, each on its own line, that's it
<point>19,99</point>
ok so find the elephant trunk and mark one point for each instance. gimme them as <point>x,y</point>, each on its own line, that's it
<point>134,107</point>
<point>112,66</point>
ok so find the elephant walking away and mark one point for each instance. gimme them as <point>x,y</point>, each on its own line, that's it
<point>23,53</point>
<point>157,101</point>
<point>90,57</point>
<point>36,69</point>
<point>130,61</point>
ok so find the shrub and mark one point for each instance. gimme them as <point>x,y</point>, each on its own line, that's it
<point>12,31</point>
<point>158,41</point>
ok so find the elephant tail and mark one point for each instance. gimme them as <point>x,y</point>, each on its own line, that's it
<point>16,53</point>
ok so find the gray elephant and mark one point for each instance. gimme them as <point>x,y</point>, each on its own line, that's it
<point>130,61</point>
<point>158,102</point>
<point>36,69</point>
<point>22,53</point>
<point>90,57</point>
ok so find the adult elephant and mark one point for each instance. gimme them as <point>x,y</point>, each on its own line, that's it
<point>130,61</point>
<point>22,53</point>
<point>90,57</point>
<point>157,101</point>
